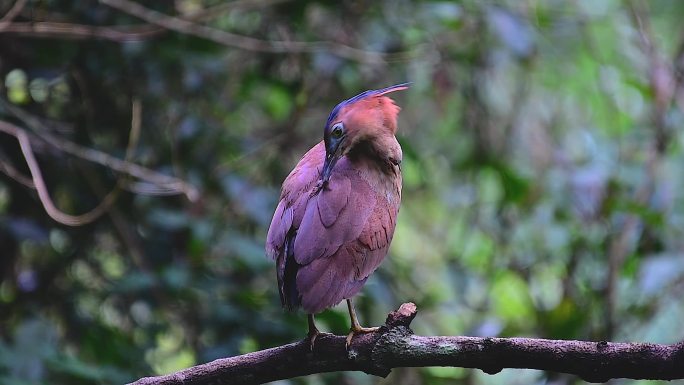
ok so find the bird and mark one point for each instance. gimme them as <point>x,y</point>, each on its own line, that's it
<point>338,209</point>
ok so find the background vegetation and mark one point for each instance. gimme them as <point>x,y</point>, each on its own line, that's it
<point>542,194</point>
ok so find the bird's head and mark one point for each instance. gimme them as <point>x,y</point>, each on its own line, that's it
<point>367,117</point>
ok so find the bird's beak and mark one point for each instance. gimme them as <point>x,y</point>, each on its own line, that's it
<point>333,151</point>
<point>330,160</point>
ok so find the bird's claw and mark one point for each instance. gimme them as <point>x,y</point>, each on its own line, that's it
<point>358,330</point>
<point>312,338</point>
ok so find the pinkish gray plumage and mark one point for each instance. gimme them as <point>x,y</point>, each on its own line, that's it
<point>332,228</point>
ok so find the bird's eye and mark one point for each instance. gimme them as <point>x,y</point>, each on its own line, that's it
<point>337,131</point>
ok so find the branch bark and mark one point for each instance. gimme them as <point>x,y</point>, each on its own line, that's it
<point>395,345</point>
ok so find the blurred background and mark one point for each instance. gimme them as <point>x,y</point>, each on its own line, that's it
<point>142,148</point>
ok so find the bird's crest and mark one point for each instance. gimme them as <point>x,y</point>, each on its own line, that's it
<point>362,96</point>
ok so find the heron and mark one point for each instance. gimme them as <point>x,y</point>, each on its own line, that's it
<point>338,209</point>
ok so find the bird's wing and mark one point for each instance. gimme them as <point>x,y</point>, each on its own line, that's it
<point>344,235</point>
<point>295,194</point>
<point>327,243</point>
<point>293,199</point>
<point>337,214</point>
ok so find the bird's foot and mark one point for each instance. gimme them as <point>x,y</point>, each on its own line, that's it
<point>358,330</point>
<point>312,335</point>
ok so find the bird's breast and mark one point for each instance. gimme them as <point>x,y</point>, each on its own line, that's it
<point>384,183</point>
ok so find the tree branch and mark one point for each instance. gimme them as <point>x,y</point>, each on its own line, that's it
<point>160,23</point>
<point>48,29</point>
<point>12,13</point>
<point>74,31</point>
<point>221,8</point>
<point>239,41</point>
<point>159,184</point>
<point>395,345</point>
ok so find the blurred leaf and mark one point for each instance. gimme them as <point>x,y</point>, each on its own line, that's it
<point>176,277</point>
<point>513,30</point>
<point>510,299</point>
<point>168,219</point>
<point>135,282</point>
<point>515,187</point>
<point>16,83</point>
<point>448,373</point>
<point>565,320</point>
<point>478,251</point>
<point>169,355</point>
<point>278,102</point>
<point>38,89</point>
<point>657,272</point>
<point>35,341</point>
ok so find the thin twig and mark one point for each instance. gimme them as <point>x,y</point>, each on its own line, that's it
<point>134,134</point>
<point>44,195</point>
<point>238,41</point>
<point>25,139</point>
<point>187,25</point>
<point>12,13</point>
<point>120,34</point>
<point>167,184</point>
<point>217,10</point>
<point>9,170</point>
<point>37,181</point>
<point>164,182</point>
<point>48,29</point>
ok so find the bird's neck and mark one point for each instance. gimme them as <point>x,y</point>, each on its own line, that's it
<point>366,154</point>
<point>376,168</point>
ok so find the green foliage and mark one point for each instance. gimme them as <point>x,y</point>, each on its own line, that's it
<point>542,146</point>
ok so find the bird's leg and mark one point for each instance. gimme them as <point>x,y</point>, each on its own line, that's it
<point>356,328</point>
<point>313,331</point>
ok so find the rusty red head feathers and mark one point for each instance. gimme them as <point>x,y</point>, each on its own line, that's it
<point>338,207</point>
<point>368,117</point>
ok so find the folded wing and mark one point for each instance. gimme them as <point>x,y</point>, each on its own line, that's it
<point>327,243</point>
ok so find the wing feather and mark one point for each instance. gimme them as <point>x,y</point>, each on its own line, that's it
<point>327,243</point>
<point>332,199</point>
<point>322,235</point>
<point>280,225</point>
